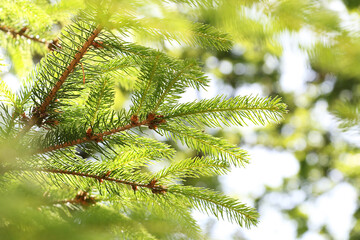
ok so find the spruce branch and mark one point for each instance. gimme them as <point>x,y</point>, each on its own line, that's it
<point>155,188</point>
<point>94,137</point>
<point>208,36</point>
<point>152,121</point>
<point>51,45</point>
<point>21,33</point>
<point>150,77</point>
<point>84,143</point>
<point>69,69</point>
<point>169,86</point>
<point>100,98</point>
<point>40,111</point>
<point>144,56</point>
<point>209,145</point>
<point>218,110</point>
<point>193,168</point>
<point>221,206</point>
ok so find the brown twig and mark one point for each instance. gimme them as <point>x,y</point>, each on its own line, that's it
<point>22,33</point>
<point>92,137</point>
<point>151,121</point>
<point>40,112</point>
<point>156,189</point>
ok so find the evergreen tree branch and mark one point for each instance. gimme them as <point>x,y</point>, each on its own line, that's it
<point>149,82</point>
<point>100,98</point>
<point>152,121</point>
<point>221,206</point>
<point>22,33</point>
<point>193,168</point>
<point>217,111</point>
<point>69,69</point>
<point>209,145</point>
<point>151,185</point>
<point>42,108</point>
<point>94,137</point>
<point>169,86</point>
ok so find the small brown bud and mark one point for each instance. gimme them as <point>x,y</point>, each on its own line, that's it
<point>134,119</point>
<point>89,132</point>
<point>152,183</point>
<point>151,117</point>
<point>153,126</point>
<point>54,44</point>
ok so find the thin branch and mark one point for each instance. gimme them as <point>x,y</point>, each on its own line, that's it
<point>148,83</point>
<point>68,70</point>
<point>22,33</point>
<point>42,108</point>
<point>231,109</point>
<point>152,121</point>
<point>151,185</point>
<point>170,85</point>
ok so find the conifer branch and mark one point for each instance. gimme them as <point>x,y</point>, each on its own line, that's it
<point>193,168</point>
<point>83,143</point>
<point>40,111</point>
<point>152,121</point>
<point>215,147</point>
<point>151,185</point>
<point>94,137</point>
<point>150,79</point>
<point>68,70</point>
<point>169,86</point>
<point>217,111</point>
<point>221,206</point>
<point>22,33</point>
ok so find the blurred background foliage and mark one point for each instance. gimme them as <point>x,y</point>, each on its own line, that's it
<point>306,51</point>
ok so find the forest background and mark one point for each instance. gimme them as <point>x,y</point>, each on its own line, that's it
<point>304,173</point>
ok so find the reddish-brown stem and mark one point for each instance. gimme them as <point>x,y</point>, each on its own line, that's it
<point>51,45</point>
<point>22,33</point>
<point>152,121</point>
<point>68,70</point>
<point>94,137</point>
<point>42,108</point>
<point>154,188</point>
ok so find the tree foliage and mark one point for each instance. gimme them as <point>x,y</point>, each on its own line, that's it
<point>73,165</point>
